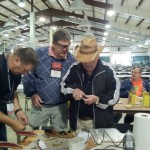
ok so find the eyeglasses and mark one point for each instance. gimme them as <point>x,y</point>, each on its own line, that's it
<point>62,46</point>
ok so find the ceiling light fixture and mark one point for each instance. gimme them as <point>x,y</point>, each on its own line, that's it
<point>89,33</point>
<point>6,34</point>
<point>104,38</point>
<point>107,26</point>
<point>146,43</point>
<point>105,33</point>
<point>85,22</point>
<point>110,13</point>
<point>42,19</point>
<point>78,5</point>
<point>21,3</point>
<point>54,28</point>
<point>10,23</point>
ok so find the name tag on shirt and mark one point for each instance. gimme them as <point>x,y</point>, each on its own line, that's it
<point>10,108</point>
<point>56,70</point>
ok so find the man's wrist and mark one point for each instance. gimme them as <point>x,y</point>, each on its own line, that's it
<point>97,101</point>
<point>17,110</point>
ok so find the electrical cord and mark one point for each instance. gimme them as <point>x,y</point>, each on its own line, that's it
<point>114,144</point>
<point>101,140</point>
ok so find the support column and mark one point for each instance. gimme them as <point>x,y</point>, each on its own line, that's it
<point>32,30</point>
<point>50,35</point>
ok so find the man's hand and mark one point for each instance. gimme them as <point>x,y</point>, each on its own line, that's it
<point>78,94</point>
<point>17,126</point>
<point>22,117</point>
<point>90,99</point>
<point>36,100</point>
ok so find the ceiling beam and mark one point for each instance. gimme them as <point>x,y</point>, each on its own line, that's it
<point>59,13</point>
<point>148,27</point>
<point>33,5</point>
<point>61,23</point>
<point>18,6</point>
<point>128,20</point>
<point>68,2</point>
<point>10,10</point>
<point>140,22</point>
<point>122,2</point>
<point>44,1</point>
<point>143,13</point>
<point>60,5</point>
<point>98,4</point>
<point>139,4</point>
<point>117,15</point>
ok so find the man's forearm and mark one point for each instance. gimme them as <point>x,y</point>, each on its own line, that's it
<point>5,119</point>
<point>16,102</point>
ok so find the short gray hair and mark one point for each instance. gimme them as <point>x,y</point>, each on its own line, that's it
<point>61,34</point>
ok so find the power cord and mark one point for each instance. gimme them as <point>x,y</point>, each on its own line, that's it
<point>114,144</point>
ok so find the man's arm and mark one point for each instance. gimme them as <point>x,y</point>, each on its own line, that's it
<point>18,111</point>
<point>29,84</point>
<point>14,124</point>
<point>112,95</point>
<point>67,87</point>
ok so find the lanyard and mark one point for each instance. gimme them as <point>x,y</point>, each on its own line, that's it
<point>11,87</point>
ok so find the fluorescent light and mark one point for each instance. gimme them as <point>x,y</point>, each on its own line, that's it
<point>85,22</point>
<point>107,26</point>
<point>104,38</point>
<point>78,5</point>
<point>10,23</point>
<point>146,43</point>
<point>139,45</point>
<point>42,19</point>
<point>54,28</point>
<point>6,34</point>
<point>21,39</point>
<point>21,3</point>
<point>110,13</point>
<point>105,33</point>
<point>89,33</point>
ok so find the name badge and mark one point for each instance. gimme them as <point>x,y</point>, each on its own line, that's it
<point>10,108</point>
<point>56,70</point>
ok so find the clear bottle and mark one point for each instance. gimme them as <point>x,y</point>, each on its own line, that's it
<point>128,141</point>
<point>146,98</point>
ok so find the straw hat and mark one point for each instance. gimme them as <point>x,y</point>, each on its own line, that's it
<point>88,50</point>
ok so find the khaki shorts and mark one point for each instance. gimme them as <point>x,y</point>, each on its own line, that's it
<point>85,125</point>
<point>56,114</point>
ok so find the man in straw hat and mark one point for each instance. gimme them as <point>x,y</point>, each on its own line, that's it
<point>92,88</point>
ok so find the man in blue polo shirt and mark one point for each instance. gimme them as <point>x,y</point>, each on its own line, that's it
<point>43,84</point>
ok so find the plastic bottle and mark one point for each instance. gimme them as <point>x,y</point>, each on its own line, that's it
<point>128,141</point>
